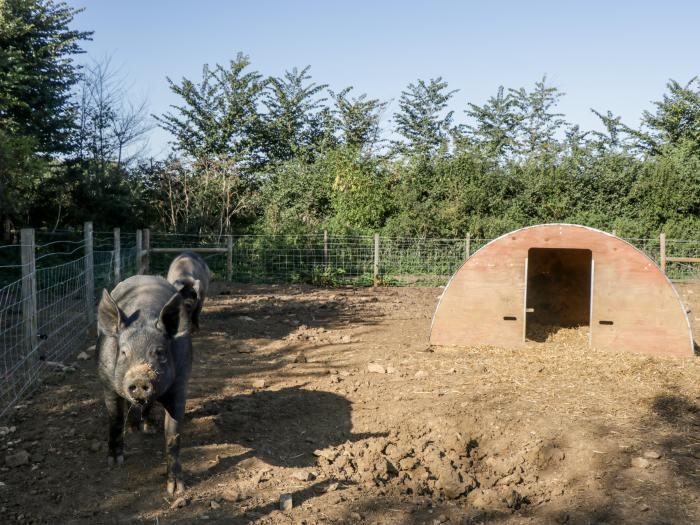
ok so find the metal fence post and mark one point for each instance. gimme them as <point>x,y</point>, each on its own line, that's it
<point>29,300</point>
<point>376,259</point>
<point>325,248</point>
<point>467,246</point>
<point>662,252</point>
<point>89,275</point>
<point>139,251</point>
<point>146,263</point>
<point>117,256</point>
<point>229,258</point>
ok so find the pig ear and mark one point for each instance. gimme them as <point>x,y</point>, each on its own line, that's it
<point>110,318</point>
<point>171,318</point>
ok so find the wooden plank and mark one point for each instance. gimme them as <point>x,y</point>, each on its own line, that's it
<point>229,258</point>
<point>376,260</point>
<point>195,250</point>
<point>29,315</point>
<point>662,252</point>
<point>139,250</point>
<point>683,259</point>
<point>146,262</point>
<point>117,256</point>
<point>89,275</point>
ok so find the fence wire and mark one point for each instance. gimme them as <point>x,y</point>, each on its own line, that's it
<point>63,300</point>
<point>61,313</point>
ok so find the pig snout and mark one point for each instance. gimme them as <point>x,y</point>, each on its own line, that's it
<point>140,389</point>
<point>139,384</point>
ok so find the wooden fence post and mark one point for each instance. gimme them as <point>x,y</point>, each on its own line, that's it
<point>325,248</point>
<point>376,260</point>
<point>117,256</point>
<point>146,246</point>
<point>139,251</point>
<point>662,252</point>
<point>229,258</point>
<point>29,306</point>
<point>89,275</point>
<point>468,246</point>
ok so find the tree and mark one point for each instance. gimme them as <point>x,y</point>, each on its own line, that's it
<point>421,120</point>
<point>495,125</point>
<point>675,121</point>
<point>108,122</point>
<point>219,115</point>
<point>296,122</point>
<point>37,71</point>
<point>358,119</point>
<point>538,123</point>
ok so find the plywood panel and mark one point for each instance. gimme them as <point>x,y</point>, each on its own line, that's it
<point>629,290</point>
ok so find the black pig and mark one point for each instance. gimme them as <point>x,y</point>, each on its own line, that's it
<point>190,274</point>
<point>144,354</point>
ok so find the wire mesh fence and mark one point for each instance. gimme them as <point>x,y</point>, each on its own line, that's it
<point>63,304</point>
<point>45,313</point>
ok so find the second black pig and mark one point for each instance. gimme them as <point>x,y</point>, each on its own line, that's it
<point>190,275</point>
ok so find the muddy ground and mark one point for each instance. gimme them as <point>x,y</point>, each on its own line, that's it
<point>335,397</point>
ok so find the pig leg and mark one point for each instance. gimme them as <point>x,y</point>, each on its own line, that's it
<point>195,316</point>
<point>174,415</point>
<point>146,423</point>
<point>115,410</point>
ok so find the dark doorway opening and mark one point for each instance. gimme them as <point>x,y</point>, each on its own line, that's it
<point>558,290</point>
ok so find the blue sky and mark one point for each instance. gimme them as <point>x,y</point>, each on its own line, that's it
<point>604,55</point>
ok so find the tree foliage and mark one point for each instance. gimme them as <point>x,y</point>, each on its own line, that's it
<point>289,155</point>
<point>218,115</point>
<point>422,120</point>
<point>37,71</point>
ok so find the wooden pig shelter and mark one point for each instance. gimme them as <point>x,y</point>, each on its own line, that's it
<point>538,279</point>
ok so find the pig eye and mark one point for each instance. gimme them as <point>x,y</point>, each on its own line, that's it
<point>160,353</point>
<point>123,351</point>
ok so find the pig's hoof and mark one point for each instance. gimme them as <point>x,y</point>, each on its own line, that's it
<point>176,487</point>
<point>115,460</point>
<point>147,427</point>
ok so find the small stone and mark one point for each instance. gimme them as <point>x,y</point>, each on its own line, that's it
<point>640,463</point>
<point>245,350</point>
<point>300,358</point>
<point>335,379</point>
<point>214,505</point>
<point>286,502</point>
<point>95,446</point>
<point>355,516</point>
<point>325,454</point>
<point>245,318</point>
<point>19,458</point>
<point>259,383</point>
<point>420,373</point>
<point>376,368</point>
<point>303,475</point>
<point>452,371</point>
<point>83,356</point>
<point>652,454</point>
<point>390,370</point>
<point>180,502</point>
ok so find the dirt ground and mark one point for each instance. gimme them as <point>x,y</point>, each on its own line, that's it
<point>335,397</point>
